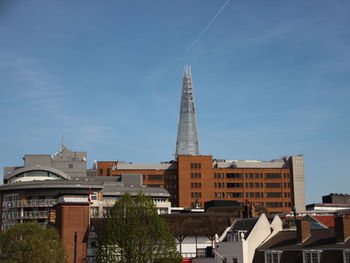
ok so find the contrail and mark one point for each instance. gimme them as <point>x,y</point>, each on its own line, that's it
<point>207,26</point>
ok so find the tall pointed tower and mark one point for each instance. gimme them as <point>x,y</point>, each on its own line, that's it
<point>187,137</point>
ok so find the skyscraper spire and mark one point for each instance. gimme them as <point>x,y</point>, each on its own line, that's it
<point>187,137</point>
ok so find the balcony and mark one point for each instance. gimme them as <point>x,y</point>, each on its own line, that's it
<point>15,215</point>
<point>29,203</point>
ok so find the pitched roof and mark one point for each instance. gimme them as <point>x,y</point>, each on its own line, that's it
<point>319,239</point>
<point>198,224</point>
<point>244,224</point>
<point>327,220</point>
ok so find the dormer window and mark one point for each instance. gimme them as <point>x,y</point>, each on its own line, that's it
<point>235,236</point>
<point>311,256</point>
<point>273,256</point>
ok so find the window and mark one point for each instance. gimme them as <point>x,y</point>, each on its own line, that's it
<point>195,165</point>
<point>311,256</point>
<point>346,256</point>
<point>70,166</point>
<point>273,185</point>
<point>101,171</point>
<point>273,175</point>
<point>219,195</point>
<point>155,177</point>
<point>219,175</point>
<point>274,204</point>
<point>272,256</point>
<point>93,196</point>
<point>196,175</point>
<point>233,194</point>
<point>274,194</point>
<point>233,175</point>
<point>196,185</point>
<point>196,195</point>
<point>230,185</point>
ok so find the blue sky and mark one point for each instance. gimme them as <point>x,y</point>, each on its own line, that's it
<point>271,78</point>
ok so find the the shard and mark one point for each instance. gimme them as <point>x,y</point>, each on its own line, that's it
<point>187,136</point>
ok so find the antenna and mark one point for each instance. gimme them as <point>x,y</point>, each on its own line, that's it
<point>62,141</point>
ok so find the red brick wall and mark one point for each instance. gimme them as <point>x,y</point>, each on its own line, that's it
<point>71,219</point>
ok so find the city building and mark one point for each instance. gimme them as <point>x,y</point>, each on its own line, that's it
<point>193,179</point>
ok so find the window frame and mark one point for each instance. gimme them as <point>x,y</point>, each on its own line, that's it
<point>311,252</point>
<point>346,252</point>
<point>272,253</point>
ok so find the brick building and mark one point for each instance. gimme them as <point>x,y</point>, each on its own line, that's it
<point>193,180</point>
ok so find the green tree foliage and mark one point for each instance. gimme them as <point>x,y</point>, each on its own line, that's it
<point>134,232</point>
<point>31,243</point>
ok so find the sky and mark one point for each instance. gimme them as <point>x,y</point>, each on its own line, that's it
<point>271,78</point>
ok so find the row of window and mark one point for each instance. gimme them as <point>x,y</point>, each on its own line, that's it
<point>310,256</point>
<point>251,185</point>
<point>251,175</point>
<point>254,194</point>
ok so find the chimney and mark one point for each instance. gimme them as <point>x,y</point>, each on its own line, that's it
<point>342,228</point>
<point>303,230</point>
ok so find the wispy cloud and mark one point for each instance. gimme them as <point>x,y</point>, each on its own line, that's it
<point>41,90</point>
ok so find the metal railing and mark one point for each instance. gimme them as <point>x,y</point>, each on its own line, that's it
<point>15,215</point>
<point>29,203</point>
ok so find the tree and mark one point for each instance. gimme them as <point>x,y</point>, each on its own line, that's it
<point>31,243</point>
<point>134,232</point>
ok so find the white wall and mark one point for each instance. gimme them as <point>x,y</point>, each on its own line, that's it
<point>244,250</point>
